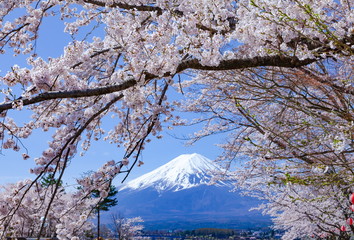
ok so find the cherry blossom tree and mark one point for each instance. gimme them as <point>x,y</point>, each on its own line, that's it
<point>127,228</point>
<point>275,74</point>
<point>287,144</point>
<point>67,218</point>
<point>290,129</point>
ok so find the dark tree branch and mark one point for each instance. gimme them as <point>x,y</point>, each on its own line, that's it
<point>232,64</point>
<point>144,8</point>
<point>329,82</point>
<point>139,144</point>
<point>71,94</point>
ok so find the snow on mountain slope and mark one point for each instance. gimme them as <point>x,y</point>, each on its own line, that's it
<point>183,172</point>
<point>177,196</point>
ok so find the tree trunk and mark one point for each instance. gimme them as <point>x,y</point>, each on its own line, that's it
<point>98,223</point>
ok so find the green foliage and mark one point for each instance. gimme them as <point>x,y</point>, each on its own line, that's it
<point>49,180</point>
<point>214,232</point>
<point>109,201</point>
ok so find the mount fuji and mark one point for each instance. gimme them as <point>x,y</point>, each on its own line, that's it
<point>183,172</point>
<point>178,195</point>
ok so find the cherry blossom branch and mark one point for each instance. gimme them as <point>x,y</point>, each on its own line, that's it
<point>159,10</point>
<point>347,89</point>
<point>70,94</point>
<point>124,6</point>
<point>71,140</point>
<point>53,195</point>
<point>143,8</point>
<point>233,64</point>
<point>151,125</point>
<point>280,143</point>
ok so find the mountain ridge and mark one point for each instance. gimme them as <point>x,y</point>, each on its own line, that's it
<point>183,172</point>
<point>178,195</point>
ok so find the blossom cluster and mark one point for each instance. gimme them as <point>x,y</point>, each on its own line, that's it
<point>68,215</point>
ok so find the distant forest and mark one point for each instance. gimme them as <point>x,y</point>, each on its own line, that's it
<point>215,232</point>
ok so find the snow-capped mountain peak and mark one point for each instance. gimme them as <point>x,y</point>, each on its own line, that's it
<point>183,172</point>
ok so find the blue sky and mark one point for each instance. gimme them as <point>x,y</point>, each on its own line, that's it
<point>13,168</point>
<point>157,153</point>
